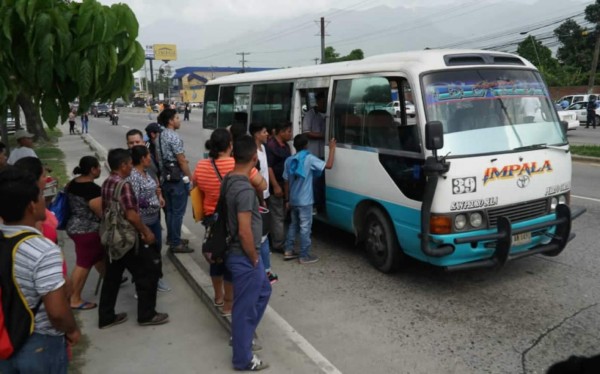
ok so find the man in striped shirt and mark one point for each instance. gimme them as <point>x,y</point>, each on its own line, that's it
<point>38,268</point>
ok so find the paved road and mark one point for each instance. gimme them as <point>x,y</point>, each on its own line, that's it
<point>422,320</point>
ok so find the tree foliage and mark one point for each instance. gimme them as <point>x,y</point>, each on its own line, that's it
<point>332,56</point>
<point>54,51</point>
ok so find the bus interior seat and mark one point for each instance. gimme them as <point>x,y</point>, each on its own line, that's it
<point>382,131</point>
<point>462,120</point>
<point>351,128</point>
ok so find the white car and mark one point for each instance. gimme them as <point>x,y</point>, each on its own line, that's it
<point>580,110</point>
<point>570,118</point>
<point>394,108</point>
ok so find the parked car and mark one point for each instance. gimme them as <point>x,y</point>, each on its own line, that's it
<point>11,126</point>
<point>572,99</point>
<point>567,116</point>
<point>394,108</point>
<point>180,107</point>
<point>580,110</point>
<point>102,110</point>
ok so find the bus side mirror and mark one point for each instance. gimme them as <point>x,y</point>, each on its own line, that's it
<point>564,126</point>
<point>434,135</point>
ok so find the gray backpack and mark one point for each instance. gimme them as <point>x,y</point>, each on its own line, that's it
<point>117,234</point>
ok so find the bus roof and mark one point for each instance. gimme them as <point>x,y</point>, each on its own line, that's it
<point>414,62</point>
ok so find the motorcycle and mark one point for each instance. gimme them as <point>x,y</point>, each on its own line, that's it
<point>114,117</point>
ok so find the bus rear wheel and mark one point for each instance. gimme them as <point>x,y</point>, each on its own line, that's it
<point>381,243</point>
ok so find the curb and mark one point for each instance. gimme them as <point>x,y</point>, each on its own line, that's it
<point>197,278</point>
<point>586,159</point>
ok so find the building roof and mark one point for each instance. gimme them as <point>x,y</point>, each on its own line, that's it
<point>179,73</point>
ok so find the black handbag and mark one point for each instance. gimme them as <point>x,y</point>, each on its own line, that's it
<point>171,170</point>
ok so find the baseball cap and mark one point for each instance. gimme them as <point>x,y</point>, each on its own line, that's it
<point>23,134</point>
<point>153,127</point>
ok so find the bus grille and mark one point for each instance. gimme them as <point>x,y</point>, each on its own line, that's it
<point>519,212</point>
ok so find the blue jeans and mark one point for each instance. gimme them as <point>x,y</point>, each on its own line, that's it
<point>265,254</point>
<point>251,293</point>
<point>84,126</point>
<point>41,354</point>
<point>302,219</point>
<point>176,197</point>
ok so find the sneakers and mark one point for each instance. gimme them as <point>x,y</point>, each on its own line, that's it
<point>273,278</point>
<point>158,319</point>
<point>255,346</point>
<point>182,241</point>
<point>289,256</point>
<point>119,318</point>
<point>181,248</point>
<point>163,286</point>
<point>308,260</point>
<point>256,364</point>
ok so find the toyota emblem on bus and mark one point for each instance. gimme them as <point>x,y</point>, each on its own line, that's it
<point>523,181</point>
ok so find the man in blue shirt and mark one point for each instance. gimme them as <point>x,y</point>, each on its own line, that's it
<point>298,174</point>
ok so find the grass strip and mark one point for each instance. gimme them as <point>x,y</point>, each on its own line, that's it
<point>585,150</point>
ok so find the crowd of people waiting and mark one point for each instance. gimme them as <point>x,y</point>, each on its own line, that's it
<point>254,169</point>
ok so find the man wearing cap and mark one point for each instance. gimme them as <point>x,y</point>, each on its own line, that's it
<point>24,149</point>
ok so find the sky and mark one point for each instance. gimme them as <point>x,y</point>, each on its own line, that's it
<point>281,33</point>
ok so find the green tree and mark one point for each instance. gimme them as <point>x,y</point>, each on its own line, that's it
<point>332,56</point>
<point>541,56</point>
<point>54,51</point>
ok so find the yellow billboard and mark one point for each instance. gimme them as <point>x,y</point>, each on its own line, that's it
<point>165,52</point>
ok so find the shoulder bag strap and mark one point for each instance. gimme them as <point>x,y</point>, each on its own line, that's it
<point>214,165</point>
<point>18,239</point>
<point>117,191</point>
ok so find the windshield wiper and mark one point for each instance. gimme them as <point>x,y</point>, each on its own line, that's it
<point>540,146</point>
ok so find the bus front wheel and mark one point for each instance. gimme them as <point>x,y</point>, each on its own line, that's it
<point>381,243</point>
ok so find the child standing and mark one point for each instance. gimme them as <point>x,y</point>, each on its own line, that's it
<point>298,174</point>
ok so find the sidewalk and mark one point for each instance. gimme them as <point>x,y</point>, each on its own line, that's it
<point>192,342</point>
<point>196,339</point>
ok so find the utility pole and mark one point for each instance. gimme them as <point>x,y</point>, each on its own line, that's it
<point>243,60</point>
<point>322,39</point>
<point>316,60</point>
<point>594,63</point>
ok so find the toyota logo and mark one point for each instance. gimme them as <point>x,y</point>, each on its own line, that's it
<point>523,181</point>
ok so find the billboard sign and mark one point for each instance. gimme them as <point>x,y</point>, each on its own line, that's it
<point>165,52</point>
<point>149,52</point>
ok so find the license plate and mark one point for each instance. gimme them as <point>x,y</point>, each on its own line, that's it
<point>521,239</point>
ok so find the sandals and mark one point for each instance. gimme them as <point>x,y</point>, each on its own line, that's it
<point>85,305</point>
<point>219,304</point>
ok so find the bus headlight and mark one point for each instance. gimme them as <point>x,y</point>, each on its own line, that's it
<point>553,203</point>
<point>460,221</point>
<point>562,199</point>
<point>476,219</point>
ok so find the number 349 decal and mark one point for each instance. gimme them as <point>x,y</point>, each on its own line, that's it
<point>464,185</point>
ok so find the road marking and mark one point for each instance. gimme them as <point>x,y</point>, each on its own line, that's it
<point>586,198</point>
<point>126,127</point>
<point>310,351</point>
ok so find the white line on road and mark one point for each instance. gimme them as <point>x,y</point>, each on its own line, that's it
<point>126,127</point>
<point>301,342</point>
<point>586,198</point>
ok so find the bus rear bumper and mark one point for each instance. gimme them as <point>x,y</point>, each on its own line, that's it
<point>503,238</point>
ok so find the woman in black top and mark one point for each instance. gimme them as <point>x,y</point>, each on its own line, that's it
<point>85,206</point>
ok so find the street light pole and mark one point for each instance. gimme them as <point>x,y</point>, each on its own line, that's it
<point>534,48</point>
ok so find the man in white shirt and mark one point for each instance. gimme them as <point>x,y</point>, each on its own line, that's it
<point>24,149</point>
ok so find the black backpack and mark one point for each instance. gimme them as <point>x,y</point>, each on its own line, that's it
<point>16,318</point>
<point>217,236</point>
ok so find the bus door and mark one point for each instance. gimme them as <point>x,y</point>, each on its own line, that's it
<point>306,93</point>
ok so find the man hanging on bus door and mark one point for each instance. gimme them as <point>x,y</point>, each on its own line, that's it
<point>313,125</point>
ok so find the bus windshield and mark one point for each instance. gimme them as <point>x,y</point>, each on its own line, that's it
<point>491,110</point>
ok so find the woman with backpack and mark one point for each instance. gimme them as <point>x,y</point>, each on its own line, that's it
<point>85,207</point>
<point>208,176</point>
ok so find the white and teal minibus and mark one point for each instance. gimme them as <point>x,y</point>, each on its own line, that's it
<point>478,174</point>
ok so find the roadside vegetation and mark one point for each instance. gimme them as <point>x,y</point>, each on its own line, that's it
<point>586,150</point>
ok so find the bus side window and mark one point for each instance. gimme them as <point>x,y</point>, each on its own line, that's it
<point>272,103</point>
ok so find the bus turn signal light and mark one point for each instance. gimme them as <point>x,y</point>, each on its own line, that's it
<point>440,225</point>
